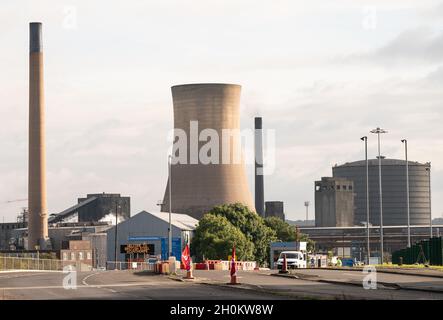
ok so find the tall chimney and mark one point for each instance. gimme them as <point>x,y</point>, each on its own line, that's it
<point>259,185</point>
<point>38,219</point>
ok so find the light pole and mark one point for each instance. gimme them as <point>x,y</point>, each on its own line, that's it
<point>116,236</point>
<point>170,204</point>
<point>379,131</point>
<point>365,139</point>
<point>430,209</point>
<point>407,191</point>
<point>307,203</point>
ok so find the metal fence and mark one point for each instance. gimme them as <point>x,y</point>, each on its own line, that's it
<point>423,252</point>
<point>123,265</point>
<point>18,263</point>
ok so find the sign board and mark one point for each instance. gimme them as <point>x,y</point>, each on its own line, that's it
<point>374,260</point>
<point>137,248</point>
<point>176,248</point>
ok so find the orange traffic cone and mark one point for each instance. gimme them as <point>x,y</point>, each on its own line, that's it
<point>284,268</point>
<point>233,270</point>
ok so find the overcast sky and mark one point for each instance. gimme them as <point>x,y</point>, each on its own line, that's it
<point>322,75</point>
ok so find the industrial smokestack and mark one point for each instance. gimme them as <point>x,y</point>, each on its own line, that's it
<point>197,187</point>
<point>259,184</point>
<point>38,218</point>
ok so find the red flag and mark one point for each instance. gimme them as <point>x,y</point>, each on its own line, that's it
<point>233,266</point>
<point>186,259</point>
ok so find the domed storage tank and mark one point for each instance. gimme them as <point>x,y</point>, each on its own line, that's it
<point>198,187</point>
<point>394,191</point>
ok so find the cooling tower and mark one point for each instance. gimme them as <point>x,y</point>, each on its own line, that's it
<point>197,187</point>
<point>38,219</point>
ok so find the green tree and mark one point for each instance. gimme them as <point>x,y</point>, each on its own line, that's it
<point>214,238</point>
<point>251,225</point>
<point>284,231</point>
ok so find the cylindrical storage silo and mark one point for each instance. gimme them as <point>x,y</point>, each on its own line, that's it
<point>393,191</point>
<point>197,186</point>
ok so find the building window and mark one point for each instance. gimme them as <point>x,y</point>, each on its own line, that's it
<point>350,187</point>
<point>317,188</point>
<point>80,256</point>
<point>72,255</point>
<point>65,256</point>
<point>344,187</point>
<point>88,255</point>
<point>338,187</point>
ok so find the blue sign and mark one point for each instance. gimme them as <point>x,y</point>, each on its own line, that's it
<point>143,238</point>
<point>176,248</point>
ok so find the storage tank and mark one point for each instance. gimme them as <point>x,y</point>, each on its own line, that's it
<point>393,188</point>
<point>197,187</point>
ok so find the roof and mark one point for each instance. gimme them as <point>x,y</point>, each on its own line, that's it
<point>384,162</point>
<point>179,220</point>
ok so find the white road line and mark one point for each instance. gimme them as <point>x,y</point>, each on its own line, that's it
<point>92,286</point>
<point>87,277</point>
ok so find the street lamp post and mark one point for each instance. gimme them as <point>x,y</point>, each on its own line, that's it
<point>307,203</point>
<point>170,204</point>
<point>365,139</point>
<point>116,234</point>
<point>379,131</point>
<point>407,191</point>
<point>430,203</point>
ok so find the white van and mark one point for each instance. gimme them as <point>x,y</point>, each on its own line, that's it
<point>294,260</point>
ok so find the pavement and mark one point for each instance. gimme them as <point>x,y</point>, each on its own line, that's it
<point>326,284</point>
<point>212,285</point>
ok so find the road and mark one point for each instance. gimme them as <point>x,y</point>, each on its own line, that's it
<point>113,285</point>
<point>211,285</point>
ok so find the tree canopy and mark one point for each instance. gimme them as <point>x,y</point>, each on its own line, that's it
<point>215,237</point>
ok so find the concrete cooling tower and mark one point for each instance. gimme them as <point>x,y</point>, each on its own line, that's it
<point>197,187</point>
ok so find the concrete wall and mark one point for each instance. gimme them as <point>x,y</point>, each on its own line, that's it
<point>334,202</point>
<point>197,188</point>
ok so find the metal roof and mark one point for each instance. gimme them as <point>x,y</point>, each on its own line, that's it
<point>179,220</point>
<point>384,162</point>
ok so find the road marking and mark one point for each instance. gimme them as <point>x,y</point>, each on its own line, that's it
<point>115,285</point>
<point>87,277</point>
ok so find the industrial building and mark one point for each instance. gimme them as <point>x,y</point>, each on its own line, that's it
<point>96,207</point>
<point>393,188</point>
<point>334,202</point>
<point>147,232</point>
<point>198,187</point>
<point>275,209</point>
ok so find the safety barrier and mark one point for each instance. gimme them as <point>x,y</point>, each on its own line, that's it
<point>130,265</point>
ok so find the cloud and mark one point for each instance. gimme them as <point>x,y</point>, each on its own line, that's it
<point>421,45</point>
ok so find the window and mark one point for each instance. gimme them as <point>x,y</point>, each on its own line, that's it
<point>338,187</point>
<point>344,187</point>
<point>317,188</point>
<point>350,187</point>
<point>72,255</point>
<point>88,255</point>
<point>65,256</point>
<point>80,256</point>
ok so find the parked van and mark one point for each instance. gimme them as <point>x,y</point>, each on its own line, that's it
<point>294,260</point>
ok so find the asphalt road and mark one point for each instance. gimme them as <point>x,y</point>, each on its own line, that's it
<point>212,285</point>
<point>113,285</point>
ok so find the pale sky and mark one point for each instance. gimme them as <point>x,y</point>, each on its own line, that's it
<point>321,74</point>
